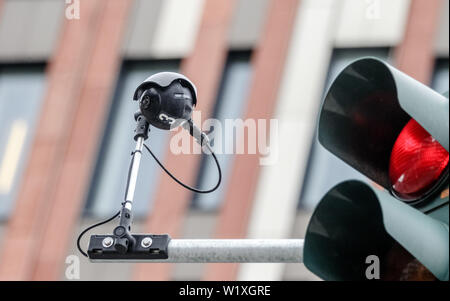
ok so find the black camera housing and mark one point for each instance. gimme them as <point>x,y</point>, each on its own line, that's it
<point>166,99</point>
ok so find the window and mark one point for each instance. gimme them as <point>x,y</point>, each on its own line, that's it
<point>109,180</point>
<point>231,104</point>
<point>441,76</point>
<point>324,169</point>
<point>21,92</point>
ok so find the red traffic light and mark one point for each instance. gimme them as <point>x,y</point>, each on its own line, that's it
<point>417,162</point>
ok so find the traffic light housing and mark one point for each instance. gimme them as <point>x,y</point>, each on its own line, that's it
<point>395,131</point>
<point>353,222</point>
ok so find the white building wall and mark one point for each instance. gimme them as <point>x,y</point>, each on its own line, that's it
<point>277,195</point>
<point>442,37</point>
<point>371,23</point>
<point>177,28</point>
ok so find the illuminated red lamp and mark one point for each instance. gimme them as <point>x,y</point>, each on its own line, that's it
<point>417,162</point>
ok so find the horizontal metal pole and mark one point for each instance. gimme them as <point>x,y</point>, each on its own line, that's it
<point>230,250</point>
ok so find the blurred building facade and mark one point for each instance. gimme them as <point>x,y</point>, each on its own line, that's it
<point>66,118</point>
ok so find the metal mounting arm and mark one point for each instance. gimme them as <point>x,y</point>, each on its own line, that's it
<point>201,250</point>
<point>123,239</point>
<point>123,246</point>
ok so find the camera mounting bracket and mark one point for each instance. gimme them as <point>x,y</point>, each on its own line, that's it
<point>122,244</point>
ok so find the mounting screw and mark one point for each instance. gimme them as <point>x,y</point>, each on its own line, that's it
<point>146,242</point>
<point>107,242</point>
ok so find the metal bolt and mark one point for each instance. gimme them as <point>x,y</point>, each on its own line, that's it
<point>107,242</point>
<point>146,242</point>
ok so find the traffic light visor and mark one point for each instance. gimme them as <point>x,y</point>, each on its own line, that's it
<point>353,223</point>
<point>366,109</point>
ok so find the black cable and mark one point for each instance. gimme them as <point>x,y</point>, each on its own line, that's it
<point>106,221</point>
<point>184,185</point>
<point>91,227</point>
<point>170,174</point>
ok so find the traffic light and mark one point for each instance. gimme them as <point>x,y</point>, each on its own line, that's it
<point>395,131</point>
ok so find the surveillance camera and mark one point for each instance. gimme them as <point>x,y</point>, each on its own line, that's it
<point>166,99</point>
